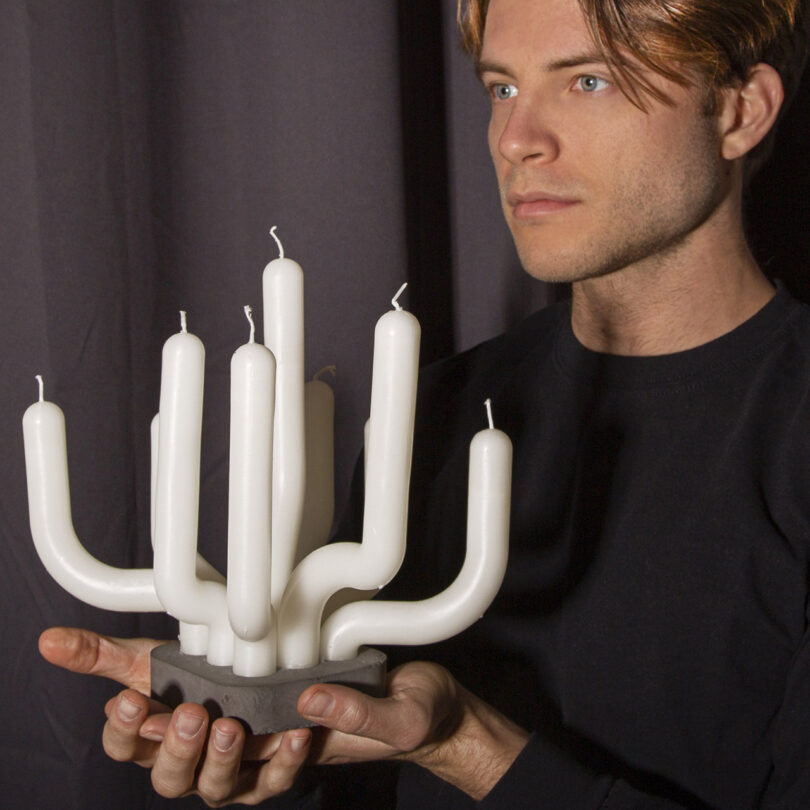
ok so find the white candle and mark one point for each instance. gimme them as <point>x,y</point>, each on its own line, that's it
<point>60,550</point>
<point>465,600</point>
<point>283,292</point>
<point>185,597</point>
<point>372,563</point>
<point>193,637</point>
<point>204,568</point>
<point>253,371</point>
<point>319,498</point>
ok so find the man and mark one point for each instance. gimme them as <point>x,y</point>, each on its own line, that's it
<point>649,647</point>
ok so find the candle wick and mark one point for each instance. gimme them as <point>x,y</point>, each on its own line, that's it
<point>183,323</point>
<point>331,369</point>
<point>249,315</point>
<point>394,301</point>
<point>278,241</point>
<point>488,405</point>
<point>41,387</point>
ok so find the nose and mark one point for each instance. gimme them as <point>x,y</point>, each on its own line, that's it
<point>525,135</point>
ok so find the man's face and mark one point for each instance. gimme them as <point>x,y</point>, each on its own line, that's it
<point>589,183</point>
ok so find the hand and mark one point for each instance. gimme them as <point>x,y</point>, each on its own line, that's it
<point>222,766</point>
<point>427,718</point>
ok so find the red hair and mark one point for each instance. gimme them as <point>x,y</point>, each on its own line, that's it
<point>711,42</point>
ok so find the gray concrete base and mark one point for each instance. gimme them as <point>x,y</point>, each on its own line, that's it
<point>264,704</point>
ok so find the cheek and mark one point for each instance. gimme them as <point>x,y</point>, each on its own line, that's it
<point>658,157</point>
<point>690,156</point>
<point>673,139</point>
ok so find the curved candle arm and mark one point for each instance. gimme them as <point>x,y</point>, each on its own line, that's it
<point>60,550</point>
<point>372,563</point>
<point>430,620</point>
<point>324,572</point>
<point>204,568</point>
<point>184,596</point>
<point>193,637</point>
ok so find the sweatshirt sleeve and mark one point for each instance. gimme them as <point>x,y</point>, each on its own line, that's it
<point>545,775</point>
<point>789,785</point>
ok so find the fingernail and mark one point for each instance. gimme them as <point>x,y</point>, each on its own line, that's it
<point>299,742</point>
<point>319,705</point>
<point>127,709</point>
<point>223,740</point>
<point>188,725</point>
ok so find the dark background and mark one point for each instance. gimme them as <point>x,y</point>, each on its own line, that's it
<point>145,150</point>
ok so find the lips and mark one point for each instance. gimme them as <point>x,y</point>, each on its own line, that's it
<point>533,203</point>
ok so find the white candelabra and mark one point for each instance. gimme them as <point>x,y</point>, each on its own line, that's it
<point>270,612</point>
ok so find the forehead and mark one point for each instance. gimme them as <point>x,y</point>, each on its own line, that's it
<point>538,30</point>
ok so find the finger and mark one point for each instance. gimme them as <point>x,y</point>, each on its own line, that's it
<point>120,737</point>
<point>348,718</point>
<point>279,774</point>
<point>384,720</point>
<point>155,726</point>
<point>123,660</point>
<point>174,769</point>
<point>153,708</point>
<point>216,779</point>
<point>417,706</point>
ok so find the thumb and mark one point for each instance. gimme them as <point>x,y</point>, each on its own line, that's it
<point>421,698</point>
<point>121,659</point>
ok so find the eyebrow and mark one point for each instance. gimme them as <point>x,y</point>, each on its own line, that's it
<point>577,60</point>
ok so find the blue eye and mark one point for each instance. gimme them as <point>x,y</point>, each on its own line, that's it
<point>502,92</point>
<point>592,84</point>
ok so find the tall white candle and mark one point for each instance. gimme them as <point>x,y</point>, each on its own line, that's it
<point>465,600</point>
<point>319,498</point>
<point>253,371</point>
<point>283,297</point>
<point>204,568</point>
<point>60,550</point>
<point>372,563</point>
<point>193,637</point>
<point>185,597</point>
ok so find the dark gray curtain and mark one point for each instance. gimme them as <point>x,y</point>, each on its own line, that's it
<point>146,147</point>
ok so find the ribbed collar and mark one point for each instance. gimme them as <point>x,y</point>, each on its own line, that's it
<point>718,356</point>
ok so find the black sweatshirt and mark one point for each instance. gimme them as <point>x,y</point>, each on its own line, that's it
<point>651,630</point>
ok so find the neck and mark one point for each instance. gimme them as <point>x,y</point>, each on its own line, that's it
<point>697,292</point>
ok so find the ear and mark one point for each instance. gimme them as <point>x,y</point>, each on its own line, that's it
<point>748,111</point>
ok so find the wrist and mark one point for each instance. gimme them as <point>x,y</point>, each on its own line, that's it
<point>474,747</point>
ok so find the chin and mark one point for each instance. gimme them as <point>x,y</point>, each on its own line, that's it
<point>554,268</point>
<point>553,254</point>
